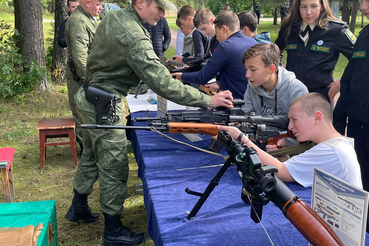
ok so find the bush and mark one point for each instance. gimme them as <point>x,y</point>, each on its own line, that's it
<point>17,76</point>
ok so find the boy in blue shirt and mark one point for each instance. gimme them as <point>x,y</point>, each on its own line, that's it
<point>226,58</point>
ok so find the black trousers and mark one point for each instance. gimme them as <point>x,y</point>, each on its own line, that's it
<point>360,133</point>
<point>321,90</point>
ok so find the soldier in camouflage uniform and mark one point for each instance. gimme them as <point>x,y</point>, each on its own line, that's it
<point>122,54</point>
<point>80,31</point>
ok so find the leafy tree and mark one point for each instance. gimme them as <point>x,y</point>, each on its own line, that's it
<point>13,78</point>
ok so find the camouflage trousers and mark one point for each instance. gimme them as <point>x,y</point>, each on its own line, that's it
<point>73,87</point>
<point>104,157</point>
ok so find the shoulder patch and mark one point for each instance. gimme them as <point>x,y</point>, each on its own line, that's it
<point>320,48</point>
<point>350,36</point>
<point>359,54</point>
<point>291,47</point>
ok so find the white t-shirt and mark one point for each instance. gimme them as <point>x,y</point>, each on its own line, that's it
<point>336,156</point>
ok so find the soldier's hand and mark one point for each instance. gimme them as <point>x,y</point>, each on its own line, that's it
<point>221,99</point>
<point>334,88</point>
<point>177,76</point>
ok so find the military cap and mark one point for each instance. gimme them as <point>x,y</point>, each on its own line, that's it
<point>164,4</point>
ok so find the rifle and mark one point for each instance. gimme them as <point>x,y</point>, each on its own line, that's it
<point>194,66</point>
<point>258,181</point>
<point>259,129</point>
<point>261,186</point>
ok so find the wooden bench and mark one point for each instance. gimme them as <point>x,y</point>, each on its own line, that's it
<point>56,128</point>
<point>6,159</point>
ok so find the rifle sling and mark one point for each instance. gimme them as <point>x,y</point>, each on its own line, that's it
<point>292,150</point>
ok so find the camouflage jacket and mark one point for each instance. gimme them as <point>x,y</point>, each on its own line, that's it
<point>122,54</point>
<point>80,31</point>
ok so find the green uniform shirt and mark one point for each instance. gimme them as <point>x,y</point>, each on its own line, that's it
<point>80,31</point>
<point>122,54</point>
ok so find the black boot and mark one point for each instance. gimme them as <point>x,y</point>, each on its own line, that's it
<point>117,234</point>
<point>80,210</point>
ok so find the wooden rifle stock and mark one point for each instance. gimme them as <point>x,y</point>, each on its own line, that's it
<point>197,128</point>
<point>310,224</point>
<point>274,140</point>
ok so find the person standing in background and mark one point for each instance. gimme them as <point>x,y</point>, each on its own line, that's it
<point>314,39</point>
<point>71,6</point>
<point>257,11</point>
<point>160,36</point>
<point>179,42</point>
<point>80,30</point>
<point>353,102</point>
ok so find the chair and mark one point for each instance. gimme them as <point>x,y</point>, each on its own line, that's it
<point>6,159</point>
<point>56,128</point>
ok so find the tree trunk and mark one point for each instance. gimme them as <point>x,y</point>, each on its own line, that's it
<point>355,7</point>
<point>60,55</point>
<point>275,16</point>
<point>345,16</point>
<point>362,19</point>
<point>28,21</point>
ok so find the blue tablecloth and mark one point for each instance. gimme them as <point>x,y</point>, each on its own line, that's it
<point>167,168</point>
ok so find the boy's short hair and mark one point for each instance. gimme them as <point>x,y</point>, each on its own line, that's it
<point>229,19</point>
<point>312,102</point>
<point>185,11</point>
<point>203,16</point>
<point>178,23</point>
<point>269,54</point>
<point>249,19</point>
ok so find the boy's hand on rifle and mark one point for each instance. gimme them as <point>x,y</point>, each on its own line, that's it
<point>221,99</point>
<point>280,144</point>
<point>213,87</point>
<point>177,58</point>
<point>177,76</point>
<point>232,131</point>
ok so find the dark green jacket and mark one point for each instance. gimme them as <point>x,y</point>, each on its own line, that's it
<point>122,55</point>
<point>80,31</point>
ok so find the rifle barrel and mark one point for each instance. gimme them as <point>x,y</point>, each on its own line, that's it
<point>147,128</point>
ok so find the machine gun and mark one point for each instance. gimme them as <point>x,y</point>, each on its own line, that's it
<point>258,181</point>
<point>259,129</point>
<point>262,186</point>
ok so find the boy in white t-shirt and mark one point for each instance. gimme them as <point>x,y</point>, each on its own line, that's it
<point>311,120</point>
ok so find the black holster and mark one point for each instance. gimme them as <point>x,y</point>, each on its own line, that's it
<point>73,69</point>
<point>103,101</point>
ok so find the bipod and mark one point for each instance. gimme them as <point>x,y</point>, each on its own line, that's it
<point>203,196</point>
